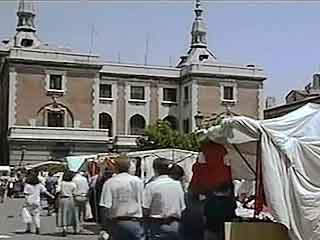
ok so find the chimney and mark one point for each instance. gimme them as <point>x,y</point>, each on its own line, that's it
<point>316,81</point>
<point>270,102</point>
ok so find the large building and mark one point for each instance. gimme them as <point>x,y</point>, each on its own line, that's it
<point>56,102</point>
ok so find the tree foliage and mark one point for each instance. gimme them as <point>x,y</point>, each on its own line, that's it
<point>161,135</point>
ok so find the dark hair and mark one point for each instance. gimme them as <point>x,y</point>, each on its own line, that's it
<point>32,179</point>
<point>67,176</point>
<point>176,172</point>
<point>161,165</point>
<point>107,173</point>
<point>122,163</point>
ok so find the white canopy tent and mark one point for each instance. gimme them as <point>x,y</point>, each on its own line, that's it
<point>289,147</point>
<point>42,164</point>
<point>183,158</point>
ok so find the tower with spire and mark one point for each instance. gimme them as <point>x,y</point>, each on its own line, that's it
<point>198,52</point>
<point>26,29</point>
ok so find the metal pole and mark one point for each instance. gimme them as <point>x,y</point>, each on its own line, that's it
<point>22,155</point>
<point>258,187</point>
<point>244,159</point>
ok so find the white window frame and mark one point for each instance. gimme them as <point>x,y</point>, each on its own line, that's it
<point>232,84</point>
<point>112,90</point>
<point>137,100</point>
<point>170,102</point>
<point>63,83</point>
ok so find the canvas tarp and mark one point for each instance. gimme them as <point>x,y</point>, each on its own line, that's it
<point>290,154</point>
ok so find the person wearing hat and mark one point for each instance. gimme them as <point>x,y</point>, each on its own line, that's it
<point>121,200</point>
<point>163,203</point>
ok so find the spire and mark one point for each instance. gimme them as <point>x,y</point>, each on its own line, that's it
<point>26,15</point>
<point>198,52</point>
<point>26,30</point>
<point>199,28</point>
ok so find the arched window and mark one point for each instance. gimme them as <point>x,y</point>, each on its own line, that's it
<point>173,122</point>
<point>56,118</point>
<point>137,125</point>
<point>54,114</point>
<point>105,122</point>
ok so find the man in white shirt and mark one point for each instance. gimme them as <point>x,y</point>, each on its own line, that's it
<point>81,197</point>
<point>121,199</point>
<point>163,203</point>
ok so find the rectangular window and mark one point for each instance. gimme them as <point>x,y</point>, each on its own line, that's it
<point>186,93</point>
<point>170,94</point>
<point>105,91</point>
<point>55,82</point>
<point>137,92</point>
<point>228,93</point>
<point>55,119</point>
<point>186,124</point>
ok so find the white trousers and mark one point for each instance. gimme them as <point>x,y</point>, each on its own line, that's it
<point>31,215</point>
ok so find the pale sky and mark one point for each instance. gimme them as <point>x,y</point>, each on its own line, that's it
<point>281,36</point>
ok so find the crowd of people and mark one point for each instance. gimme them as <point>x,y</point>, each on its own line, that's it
<point>125,207</point>
<point>11,186</point>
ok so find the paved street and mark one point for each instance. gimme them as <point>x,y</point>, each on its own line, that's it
<point>12,227</point>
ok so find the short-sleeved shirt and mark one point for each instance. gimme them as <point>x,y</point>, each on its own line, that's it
<point>164,197</point>
<point>32,193</point>
<point>67,189</point>
<point>81,183</point>
<point>122,194</point>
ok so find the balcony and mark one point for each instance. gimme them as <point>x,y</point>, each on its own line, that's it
<point>58,134</point>
<point>125,141</point>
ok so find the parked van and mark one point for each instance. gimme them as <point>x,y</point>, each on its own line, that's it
<point>5,171</point>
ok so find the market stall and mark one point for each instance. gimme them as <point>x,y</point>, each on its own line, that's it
<point>183,158</point>
<point>287,151</point>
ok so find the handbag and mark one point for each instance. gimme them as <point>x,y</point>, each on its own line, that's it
<point>83,198</point>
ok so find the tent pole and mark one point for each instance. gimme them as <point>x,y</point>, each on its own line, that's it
<point>258,188</point>
<point>181,160</point>
<point>244,159</point>
<point>84,162</point>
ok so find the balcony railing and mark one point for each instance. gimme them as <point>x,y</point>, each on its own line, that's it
<point>58,134</point>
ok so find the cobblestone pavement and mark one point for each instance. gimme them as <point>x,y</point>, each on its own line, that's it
<point>12,227</point>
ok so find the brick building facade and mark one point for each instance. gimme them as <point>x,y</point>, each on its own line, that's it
<point>56,102</point>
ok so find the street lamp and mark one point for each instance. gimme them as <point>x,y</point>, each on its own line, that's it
<point>23,150</point>
<point>198,118</point>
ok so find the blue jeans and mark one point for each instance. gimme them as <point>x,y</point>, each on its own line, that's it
<point>127,230</point>
<point>168,231</point>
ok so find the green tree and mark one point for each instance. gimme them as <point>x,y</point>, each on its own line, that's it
<point>161,135</point>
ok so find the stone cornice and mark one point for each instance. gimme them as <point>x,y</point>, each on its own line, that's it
<point>224,71</point>
<point>4,51</point>
<point>53,58</point>
<point>140,71</point>
<point>45,62</point>
<point>136,76</point>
